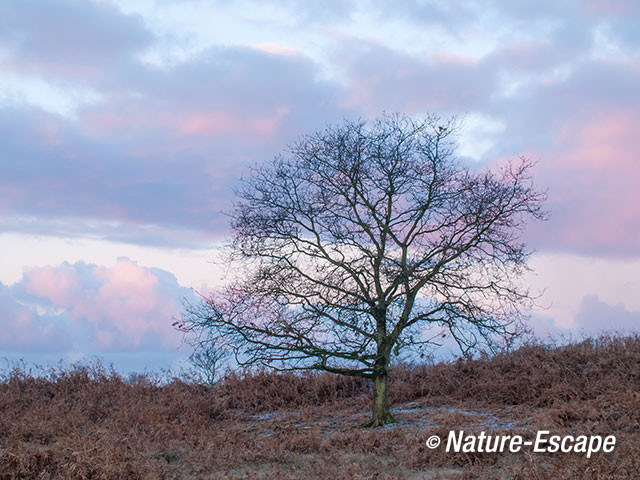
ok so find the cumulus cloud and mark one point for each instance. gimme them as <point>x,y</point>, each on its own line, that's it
<point>89,309</point>
<point>25,330</point>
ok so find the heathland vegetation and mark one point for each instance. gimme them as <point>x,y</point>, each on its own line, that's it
<point>92,423</point>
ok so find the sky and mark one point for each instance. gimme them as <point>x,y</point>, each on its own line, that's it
<point>126,124</point>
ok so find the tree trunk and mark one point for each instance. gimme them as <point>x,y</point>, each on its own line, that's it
<point>381,413</point>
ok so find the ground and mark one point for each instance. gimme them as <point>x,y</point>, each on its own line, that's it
<point>90,423</point>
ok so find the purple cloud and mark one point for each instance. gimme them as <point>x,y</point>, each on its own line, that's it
<point>71,40</point>
<point>26,331</point>
<point>596,316</point>
<point>162,161</point>
<point>587,142</point>
<point>384,79</point>
<point>153,159</point>
<point>149,153</point>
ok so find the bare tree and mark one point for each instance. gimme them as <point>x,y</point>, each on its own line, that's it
<point>367,238</point>
<point>207,358</point>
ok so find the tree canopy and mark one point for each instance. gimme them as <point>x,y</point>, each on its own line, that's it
<point>366,239</point>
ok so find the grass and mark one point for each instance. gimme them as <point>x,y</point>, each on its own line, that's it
<point>91,423</point>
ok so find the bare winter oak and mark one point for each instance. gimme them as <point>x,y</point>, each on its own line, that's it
<point>366,239</point>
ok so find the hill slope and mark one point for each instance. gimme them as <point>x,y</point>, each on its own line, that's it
<point>86,422</point>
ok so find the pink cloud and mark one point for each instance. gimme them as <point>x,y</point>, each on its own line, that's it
<point>57,284</point>
<point>220,123</point>
<point>226,123</point>
<point>611,7</point>
<point>128,288</point>
<point>600,154</point>
<point>189,123</point>
<point>209,123</point>
<point>123,307</point>
<point>275,48</point>
<point>127,307</point>
<point>24,330</point>
<point>593,202</point>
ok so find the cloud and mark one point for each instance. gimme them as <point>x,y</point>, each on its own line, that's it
<point>58,285</point>
<point>592,317</point>
<point>88,309</point>
<point>313,11</point>
<point>381,78</point>
<point>153,156</point>
<point>155,161</point>
<point>586,159</point>
<point>223,94</point>
<point>25,330</point>
<point>596,316</point>
<point>72,39</point>
<point>613,7</point>
<point>564,280</point>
